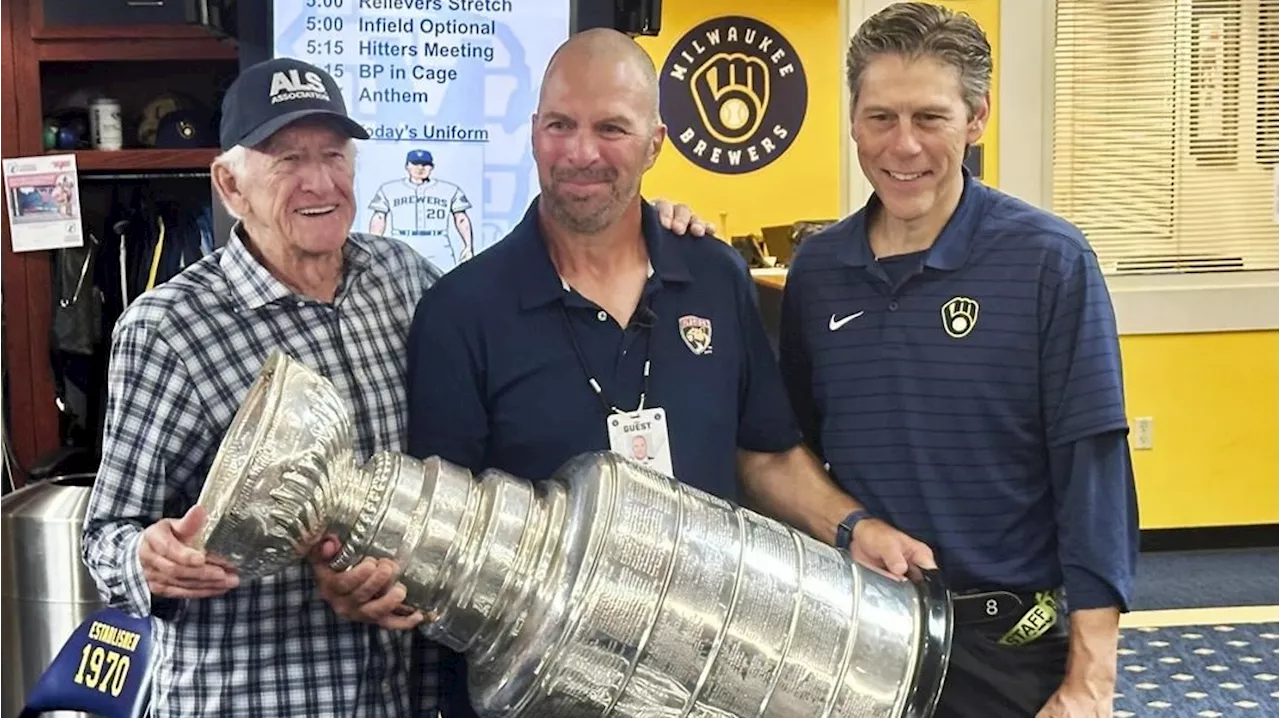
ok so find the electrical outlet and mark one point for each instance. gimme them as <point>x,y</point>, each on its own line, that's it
<point>1142,427</point>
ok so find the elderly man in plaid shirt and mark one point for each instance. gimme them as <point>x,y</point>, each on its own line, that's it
<point>306,642</point>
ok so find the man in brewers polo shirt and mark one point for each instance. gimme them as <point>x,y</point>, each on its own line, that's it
<point>952,353</point>
<point>588,312</point>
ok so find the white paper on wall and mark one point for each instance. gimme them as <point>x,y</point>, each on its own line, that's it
<point>43,196</point>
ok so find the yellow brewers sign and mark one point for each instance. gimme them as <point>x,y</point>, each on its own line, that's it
<point>733,95</point>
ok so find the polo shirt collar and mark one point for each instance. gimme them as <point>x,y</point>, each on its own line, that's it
<point>949,251</point>
<point>252,285</point>
<point>540,283</point>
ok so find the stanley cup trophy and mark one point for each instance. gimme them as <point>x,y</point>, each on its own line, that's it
<point>607,590</point>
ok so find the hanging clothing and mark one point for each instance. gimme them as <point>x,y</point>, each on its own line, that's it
<point>145,239</point>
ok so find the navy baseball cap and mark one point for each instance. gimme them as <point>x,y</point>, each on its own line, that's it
<point>277,92</point>
<point>419,157</point>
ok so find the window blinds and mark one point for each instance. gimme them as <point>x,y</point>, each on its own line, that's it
<point>1165,128</point>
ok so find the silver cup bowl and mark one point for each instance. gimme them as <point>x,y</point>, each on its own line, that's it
<point>603,590</point>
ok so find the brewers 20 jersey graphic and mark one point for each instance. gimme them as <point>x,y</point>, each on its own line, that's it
<point>419,209</point>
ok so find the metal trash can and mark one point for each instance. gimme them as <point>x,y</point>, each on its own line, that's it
<point>47,592</point>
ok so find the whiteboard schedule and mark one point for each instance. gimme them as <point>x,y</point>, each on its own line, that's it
<point>446,90</point>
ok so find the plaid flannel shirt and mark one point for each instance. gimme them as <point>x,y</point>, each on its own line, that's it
<point>183,358</point>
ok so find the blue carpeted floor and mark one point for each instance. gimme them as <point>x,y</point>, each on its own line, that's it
<point>1207,579</point>
<point>1209,671</point>
<point>1198,671</point>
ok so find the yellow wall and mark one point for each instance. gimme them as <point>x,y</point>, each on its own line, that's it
<point>987,15</point>
<point>1213,397</point>
<point>804,183</point>
<point>1213,402</point>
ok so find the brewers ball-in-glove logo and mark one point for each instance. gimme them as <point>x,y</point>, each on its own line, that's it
<point>959,315</point>
<point>733,95</point>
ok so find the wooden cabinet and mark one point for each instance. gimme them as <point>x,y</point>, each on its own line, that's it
<point>95,13</point>
<point>47,54</point>
<point>53,19</point>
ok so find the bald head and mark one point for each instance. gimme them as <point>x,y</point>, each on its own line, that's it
<point>593,59</point>
<point>596,132</point>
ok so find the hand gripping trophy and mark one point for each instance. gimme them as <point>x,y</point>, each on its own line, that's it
<point>606,590</point>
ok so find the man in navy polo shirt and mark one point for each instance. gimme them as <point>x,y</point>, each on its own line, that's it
<point>590,311</point>
<point>952,353</point>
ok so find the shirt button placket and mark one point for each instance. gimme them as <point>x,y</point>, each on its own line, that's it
<point>894,334</point>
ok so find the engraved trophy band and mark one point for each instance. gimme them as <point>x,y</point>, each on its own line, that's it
<point>603,590</point>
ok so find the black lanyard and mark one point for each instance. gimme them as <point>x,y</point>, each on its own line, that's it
<point>595,385</point>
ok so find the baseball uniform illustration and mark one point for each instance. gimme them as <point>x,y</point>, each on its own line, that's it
<point>418,210</point>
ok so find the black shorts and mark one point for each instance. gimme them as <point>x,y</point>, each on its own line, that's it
<point>988,680</point>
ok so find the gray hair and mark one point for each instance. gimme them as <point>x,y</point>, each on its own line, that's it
<point>915,29</point>
<point>236,161</point>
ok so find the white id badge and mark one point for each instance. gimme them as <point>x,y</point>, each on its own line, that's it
<point>641,436</point>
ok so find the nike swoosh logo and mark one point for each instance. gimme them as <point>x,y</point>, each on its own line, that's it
<point>835,324</point>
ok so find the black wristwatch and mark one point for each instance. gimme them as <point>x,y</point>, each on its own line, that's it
<point>844,532</point>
